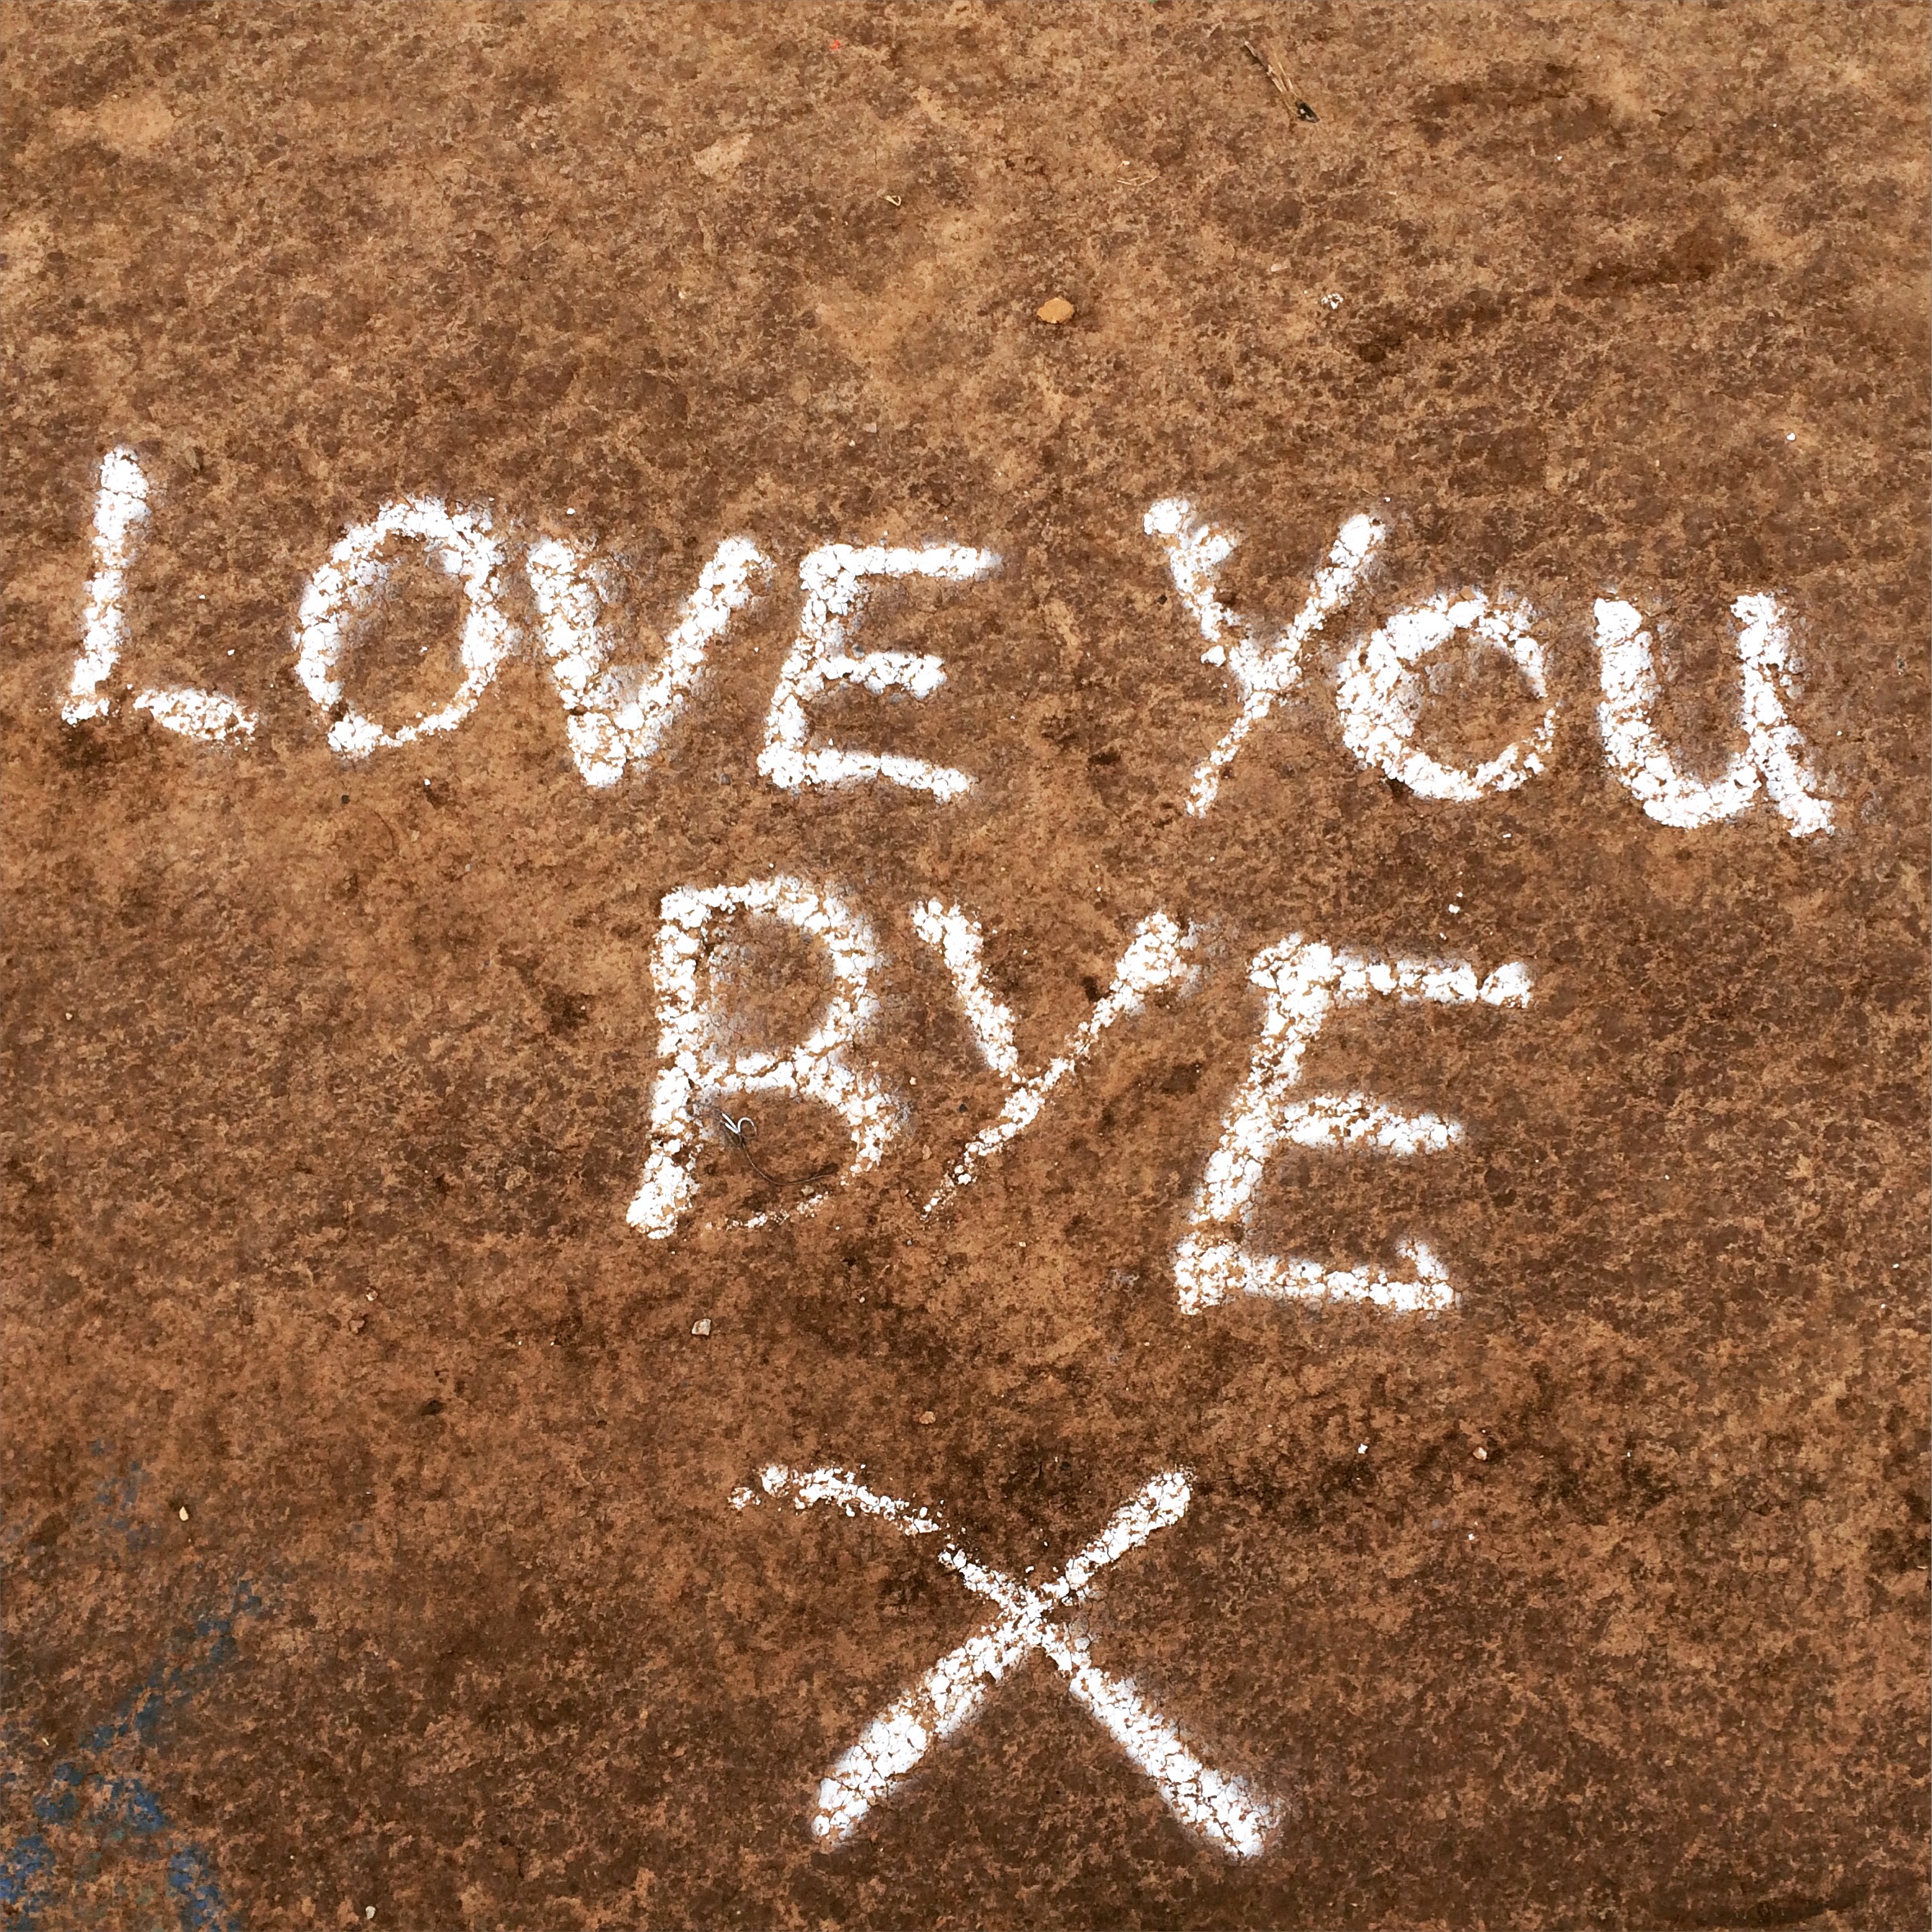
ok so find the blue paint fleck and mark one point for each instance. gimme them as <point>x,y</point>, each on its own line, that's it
<point>118,1499</point>
<point>198,1898</point>
<point>60,1802</point>
<point>20,1866</point>
<point>100,1809</point>
<point>130,1801</point>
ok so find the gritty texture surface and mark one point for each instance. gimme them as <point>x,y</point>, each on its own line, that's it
<point>366,1529</point>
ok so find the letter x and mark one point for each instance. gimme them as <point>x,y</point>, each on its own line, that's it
<point>1219,1808</point>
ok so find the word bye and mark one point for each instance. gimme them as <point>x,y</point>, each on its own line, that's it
<point>618,715</point>
<point>1304,980</point>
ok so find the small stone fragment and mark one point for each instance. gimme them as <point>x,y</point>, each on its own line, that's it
<point>1055,309</point>
<point>183,1512</point>
<point>722,158</point>
<point>926,1418</point>
<point>702,1327</point>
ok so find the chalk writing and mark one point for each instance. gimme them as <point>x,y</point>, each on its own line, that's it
<point>1774,753</point>
<point>1155,958</point>
<point>1265,665</point>
<point>463,543</point>
<point>833,580</point>
<point>700,1069</point>
<point>1305,981</point>
<point>959,942</point>
<point>1220,1808</point>
<point>121,518</point>
<point>1378,694</point>
<point>616,717</point>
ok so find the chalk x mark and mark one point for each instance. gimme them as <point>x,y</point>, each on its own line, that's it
<point>1220,1808</point>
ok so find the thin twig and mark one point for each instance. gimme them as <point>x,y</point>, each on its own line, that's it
<point>740,1132</point>
<point>1281,80</point>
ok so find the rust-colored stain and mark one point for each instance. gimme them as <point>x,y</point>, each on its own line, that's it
<point>369,1532</point>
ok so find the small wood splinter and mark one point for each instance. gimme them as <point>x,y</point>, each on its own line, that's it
<point>1282,82</point>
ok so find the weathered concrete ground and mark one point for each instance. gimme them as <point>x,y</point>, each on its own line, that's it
<point>365,1487</point>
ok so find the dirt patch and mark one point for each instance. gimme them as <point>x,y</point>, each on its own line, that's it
<point>369,1478</point>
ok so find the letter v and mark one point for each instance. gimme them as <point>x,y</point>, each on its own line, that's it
<point>619,714</point>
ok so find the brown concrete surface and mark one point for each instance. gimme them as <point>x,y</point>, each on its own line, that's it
<point>366,1534</point>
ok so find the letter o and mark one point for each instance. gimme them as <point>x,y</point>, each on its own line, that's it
<point>463,543</point>
<point>1379,692</point>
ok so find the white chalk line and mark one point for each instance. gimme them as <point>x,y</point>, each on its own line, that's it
<point>1266,667</point>
<point>1379,691</point>
<point>616,717</point>
<point>956,937</point>
<point>1304,980</point>
<point>1220,1808</point>
<point>699,1070</point>
<point>121,509</point>
<point>1774,754</point>
<point>1157,957</point>
<point>834,579</point>
<point>342,593</point>
<point>840,1486</point>
<point>121,521</point>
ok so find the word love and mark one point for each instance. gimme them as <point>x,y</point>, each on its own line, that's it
<point>618,714</point>
<point>1210,1803</point>
<point>1303,982</point>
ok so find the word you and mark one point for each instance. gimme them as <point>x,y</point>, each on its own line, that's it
<point>618,715</point>
<point>1214,1806</point>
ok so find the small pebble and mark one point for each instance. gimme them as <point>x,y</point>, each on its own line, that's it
<point>926,1418</point>
<point>183,1512</point>
<point>1055,309</point>
<point>702,1327</point>
<point>1482,1456</point>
